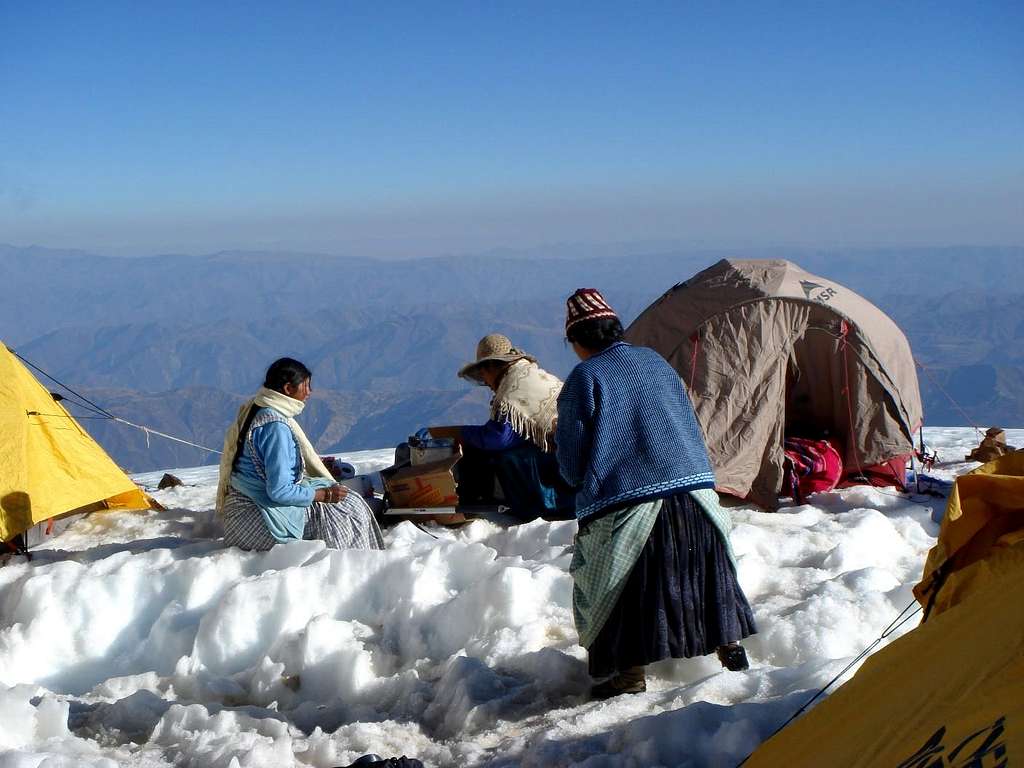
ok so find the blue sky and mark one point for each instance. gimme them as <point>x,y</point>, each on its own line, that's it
<point>419,128</point>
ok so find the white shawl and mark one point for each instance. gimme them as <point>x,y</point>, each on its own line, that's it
<point>527,398</point>
<point>288,407</point>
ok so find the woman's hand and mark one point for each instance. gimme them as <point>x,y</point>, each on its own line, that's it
<point>332,494</point>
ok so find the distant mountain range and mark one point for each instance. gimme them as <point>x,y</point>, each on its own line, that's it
<point>177,342</point>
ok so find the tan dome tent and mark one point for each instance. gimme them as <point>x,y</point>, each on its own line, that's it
<point>767,351</point>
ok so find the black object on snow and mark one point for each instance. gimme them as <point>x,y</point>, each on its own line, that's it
<point>168,481</point>
<point>376,761</point>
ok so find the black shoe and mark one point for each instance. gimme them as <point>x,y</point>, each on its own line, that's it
<point>366,760</point>
<point>733,657</point>
<point>376,761</point>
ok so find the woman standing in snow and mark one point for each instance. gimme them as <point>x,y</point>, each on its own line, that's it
<point>653,572</point>
<point>273,486</point>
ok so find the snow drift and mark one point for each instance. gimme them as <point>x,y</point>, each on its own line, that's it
<point>138,639</point>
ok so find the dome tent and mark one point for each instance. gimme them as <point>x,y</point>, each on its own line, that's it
<point>768,350</point>
<point>49,465</point>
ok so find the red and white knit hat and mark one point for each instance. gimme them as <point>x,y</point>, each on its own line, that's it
<point>586,304</point>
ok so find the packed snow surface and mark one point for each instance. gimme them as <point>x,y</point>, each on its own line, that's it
<point>137,638</point>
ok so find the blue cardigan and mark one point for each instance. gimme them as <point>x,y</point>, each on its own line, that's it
<point>279,456</point>
<point>627,431</point>
<point>272,477</point>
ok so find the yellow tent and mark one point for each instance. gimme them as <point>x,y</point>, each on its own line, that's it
<point>49,465</point>
<point>950,692</point>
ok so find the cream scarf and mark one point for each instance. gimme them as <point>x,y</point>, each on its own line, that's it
<point>527,398</point>
<point>288,407</point>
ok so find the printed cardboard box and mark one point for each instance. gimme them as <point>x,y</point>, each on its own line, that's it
<point>424,485</point>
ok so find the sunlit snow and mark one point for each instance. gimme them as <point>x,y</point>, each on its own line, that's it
<point>138,639</point>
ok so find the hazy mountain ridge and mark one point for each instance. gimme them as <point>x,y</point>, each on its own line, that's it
<point>177,342</point>
<point>65,291</point>
<point>60,289</point>
<point>381,353</point>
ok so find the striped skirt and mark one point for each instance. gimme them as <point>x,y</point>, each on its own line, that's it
<point>347,524</point>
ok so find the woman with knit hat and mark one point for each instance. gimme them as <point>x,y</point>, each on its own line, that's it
<point>653,570</point>
<point>514,447</point>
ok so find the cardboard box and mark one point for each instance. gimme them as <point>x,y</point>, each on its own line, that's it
<point>423,485</point>
<point>421,456</point>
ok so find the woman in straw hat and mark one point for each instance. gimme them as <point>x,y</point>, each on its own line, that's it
<point>273,486</point>
<point>653,571</point>
<point>514,447</point>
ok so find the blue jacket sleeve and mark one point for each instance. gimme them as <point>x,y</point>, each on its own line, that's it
<point>277,448</point>
<point>492,436</point>
<point>575,427</point>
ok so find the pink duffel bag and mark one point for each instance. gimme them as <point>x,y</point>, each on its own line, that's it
<point>810,466</point>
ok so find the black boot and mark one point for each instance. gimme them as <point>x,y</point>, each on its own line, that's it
<point>733,657</point>
<point>376,761</point>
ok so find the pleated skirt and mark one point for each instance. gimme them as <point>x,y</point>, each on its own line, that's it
<point>682,598</point>
<point>347,524</point>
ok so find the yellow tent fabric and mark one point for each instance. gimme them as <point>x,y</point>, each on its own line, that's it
<point>950,692</point>
<point>984,521</point>
<point>49,465</point>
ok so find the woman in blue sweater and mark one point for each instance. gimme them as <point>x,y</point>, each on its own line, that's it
<point>653,571</point>
<point>273,486</point>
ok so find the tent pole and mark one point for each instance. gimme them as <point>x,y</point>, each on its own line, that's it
<point>19,546</point>
<point>920,442</point>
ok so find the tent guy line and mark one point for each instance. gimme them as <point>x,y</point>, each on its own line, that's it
<point>105,414</point>
<point>86,402</point>
<point>150,430</point>
<point>901,618</point>
<point>949,397</point>
<point>64,416</point>
<point>923,699</point>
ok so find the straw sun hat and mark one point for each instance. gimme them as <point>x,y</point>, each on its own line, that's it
<point>494,347</point>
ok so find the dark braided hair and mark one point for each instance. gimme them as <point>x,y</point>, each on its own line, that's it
<point>597,334</point>
<point>286,371</point>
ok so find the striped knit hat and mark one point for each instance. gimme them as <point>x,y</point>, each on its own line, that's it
<point>586,304</point>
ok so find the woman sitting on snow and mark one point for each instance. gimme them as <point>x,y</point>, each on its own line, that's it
<point>514,446</point>
<point>273,486</point>
<point>653,575</point>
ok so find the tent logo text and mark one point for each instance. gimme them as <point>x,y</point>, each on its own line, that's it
<point>971,752</point>
<point>823,294</point>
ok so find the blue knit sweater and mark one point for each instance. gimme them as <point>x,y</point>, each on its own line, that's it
<point>627,431</point>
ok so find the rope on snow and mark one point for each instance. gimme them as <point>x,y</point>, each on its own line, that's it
<point>901,618</point>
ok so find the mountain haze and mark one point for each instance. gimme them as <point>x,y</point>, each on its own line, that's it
<point>177,342</point>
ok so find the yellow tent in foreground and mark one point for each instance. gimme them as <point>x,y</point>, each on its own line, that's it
<point>49,465</point>
<point>950,693</point>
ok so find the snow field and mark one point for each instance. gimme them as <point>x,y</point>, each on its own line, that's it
<point>138,639</point>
